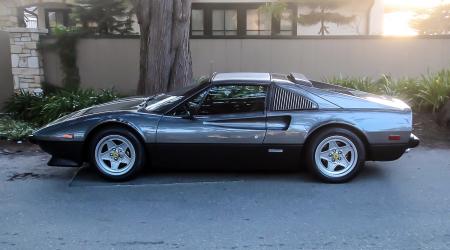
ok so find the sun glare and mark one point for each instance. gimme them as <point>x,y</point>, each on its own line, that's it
<point>399,13</point>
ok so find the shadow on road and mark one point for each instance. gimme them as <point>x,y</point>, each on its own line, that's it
<point>87,176</point>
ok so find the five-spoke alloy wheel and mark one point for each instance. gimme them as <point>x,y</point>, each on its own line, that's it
<point>335,155</point>
<point>116,153</point>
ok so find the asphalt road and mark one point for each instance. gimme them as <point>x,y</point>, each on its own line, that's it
<point>396,205</point>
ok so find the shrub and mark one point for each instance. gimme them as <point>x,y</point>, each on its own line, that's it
<point>15,130</point>
<point>43,109</point>
<point>405,89</point>
<point>365,84</point>
<point>430,92</point>
<point>24,106</point>
<point>435,90</point>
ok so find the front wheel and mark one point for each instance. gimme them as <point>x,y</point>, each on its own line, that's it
<point>335,155</point>
<point>117,154</point>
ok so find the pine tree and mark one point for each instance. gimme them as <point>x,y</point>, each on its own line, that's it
<point>434,22</point>
<point>104,16</point>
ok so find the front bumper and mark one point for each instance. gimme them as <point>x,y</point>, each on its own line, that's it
<point>64,153</point>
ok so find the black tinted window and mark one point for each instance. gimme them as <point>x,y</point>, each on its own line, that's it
<point>192,105</point>
<point>229,99</point>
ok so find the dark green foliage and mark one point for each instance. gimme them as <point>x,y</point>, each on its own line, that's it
<point>14,129</point>
<point>108,16</point>
<point>24,106</point>
<point>43,109</point>
<point>435,90</point>
<point>433,22</point>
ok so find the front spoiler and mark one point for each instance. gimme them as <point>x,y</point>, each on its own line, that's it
<point>64,153</point>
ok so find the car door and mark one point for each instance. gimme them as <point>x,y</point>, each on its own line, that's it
<point>225,124</point>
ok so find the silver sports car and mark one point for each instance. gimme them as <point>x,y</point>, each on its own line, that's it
<point>235,120</point>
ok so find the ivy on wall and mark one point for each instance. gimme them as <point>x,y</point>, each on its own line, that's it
<point>66,47</point>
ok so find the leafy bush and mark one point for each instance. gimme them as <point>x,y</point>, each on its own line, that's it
<point>359,83</point>
<point>24,106</point>
<point>15,130</point>
<point>429,92</point>
<point>43,109</point>
<point>435,90</point>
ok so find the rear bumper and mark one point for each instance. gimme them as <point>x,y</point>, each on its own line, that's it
<point>413,141</point>
<point>64,153</point>
<point>390,152</point>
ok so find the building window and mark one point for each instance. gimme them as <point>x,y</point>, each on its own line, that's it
<point>286,23</point>
<point>258,23</point>
<point>224,22</point>
<point>240,20</point>
<point>28,17</point>
<point>56,17</point>
<point>197,22</point>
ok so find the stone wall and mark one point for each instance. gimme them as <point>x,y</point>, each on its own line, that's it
<point>26,62</point>
<point>27,66</point>
<point>8,14</point>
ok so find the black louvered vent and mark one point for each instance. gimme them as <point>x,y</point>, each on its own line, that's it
<point>283,99</point>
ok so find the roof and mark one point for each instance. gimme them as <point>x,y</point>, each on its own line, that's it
<point>242,77</point>
<point>260,78</point>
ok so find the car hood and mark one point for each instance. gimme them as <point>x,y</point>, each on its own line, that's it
<point>126,104</point>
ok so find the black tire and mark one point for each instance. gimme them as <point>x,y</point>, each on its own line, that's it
<point>138,149</point>
<point>323,135</point>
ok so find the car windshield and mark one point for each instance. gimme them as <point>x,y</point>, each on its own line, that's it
<point>159,103</point>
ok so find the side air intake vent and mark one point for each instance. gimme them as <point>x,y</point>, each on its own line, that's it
<point>283,100</point>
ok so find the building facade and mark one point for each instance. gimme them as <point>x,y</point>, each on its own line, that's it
<point>27,21</point>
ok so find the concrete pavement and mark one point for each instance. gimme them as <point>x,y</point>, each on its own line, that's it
<point>403,204</point>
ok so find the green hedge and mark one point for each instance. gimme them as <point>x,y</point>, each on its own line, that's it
<point>14,129</point>
<point>40,110</point>
<point>427,93</point>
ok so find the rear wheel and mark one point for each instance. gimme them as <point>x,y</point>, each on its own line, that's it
<point>335,155</point>
<point>117,154</point>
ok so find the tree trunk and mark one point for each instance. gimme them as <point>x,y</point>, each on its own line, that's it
<point>165,58</point>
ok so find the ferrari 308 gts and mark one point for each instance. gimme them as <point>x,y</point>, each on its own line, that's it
<point>235,120</point>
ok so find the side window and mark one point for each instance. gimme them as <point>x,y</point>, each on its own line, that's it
<point>191,105</point>
<point>230,99</point>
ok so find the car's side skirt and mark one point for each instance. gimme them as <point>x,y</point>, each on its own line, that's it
<point>229,156</point>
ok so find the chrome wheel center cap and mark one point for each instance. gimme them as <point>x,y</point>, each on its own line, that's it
<point>115,154</point>
<point>335,156</point>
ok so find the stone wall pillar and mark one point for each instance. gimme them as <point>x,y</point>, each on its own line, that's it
<point>26,61</point>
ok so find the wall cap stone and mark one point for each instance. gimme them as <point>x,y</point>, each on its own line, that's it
<point>26,30</point>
